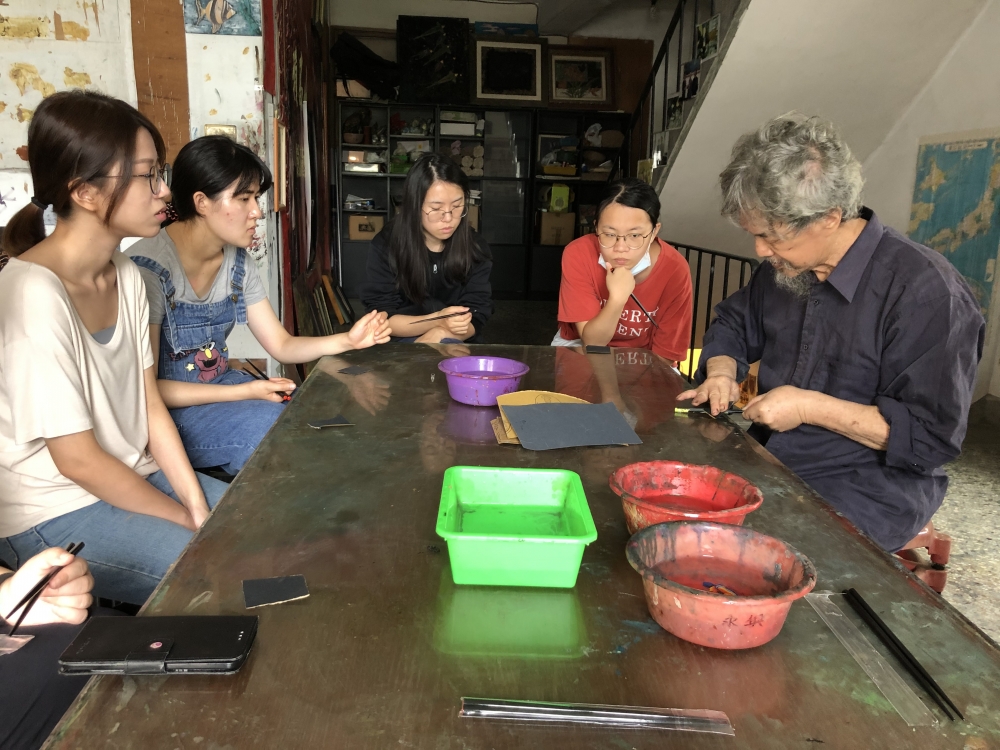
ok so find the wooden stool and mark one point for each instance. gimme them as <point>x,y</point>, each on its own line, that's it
<point>938,547</point>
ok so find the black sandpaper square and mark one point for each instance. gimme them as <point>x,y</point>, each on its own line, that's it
<point>542,427</point>
<point>260,592</point>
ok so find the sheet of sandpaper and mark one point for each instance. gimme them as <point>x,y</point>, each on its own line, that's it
<point>542,427</point>
<point>260,591</point>
<point>522,398</point>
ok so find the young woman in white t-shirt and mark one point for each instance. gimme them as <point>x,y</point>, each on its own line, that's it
<point>202,283</point>
<point>88,451</point>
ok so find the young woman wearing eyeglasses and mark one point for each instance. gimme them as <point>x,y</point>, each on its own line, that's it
<point>623,286</point>
<point>88,452</point>
<point>428,262</point>
<point>201,283</point>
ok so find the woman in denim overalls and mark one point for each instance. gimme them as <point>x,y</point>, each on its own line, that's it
<point>201,284</point>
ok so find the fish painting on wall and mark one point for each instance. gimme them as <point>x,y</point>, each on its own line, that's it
<point>232,17</point>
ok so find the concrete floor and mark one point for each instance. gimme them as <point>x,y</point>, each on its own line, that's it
<point>971,516</point>
<point>971,510</point>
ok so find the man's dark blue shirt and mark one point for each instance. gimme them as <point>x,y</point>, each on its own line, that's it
<point>894,325</point>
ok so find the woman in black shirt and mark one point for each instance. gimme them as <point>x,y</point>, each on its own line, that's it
<point>428,261</point>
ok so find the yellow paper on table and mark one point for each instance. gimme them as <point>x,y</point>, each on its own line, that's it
<point>526,398</point>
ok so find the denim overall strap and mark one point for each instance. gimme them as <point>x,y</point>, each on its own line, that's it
<point>236,286</point>
<point>169,292</point>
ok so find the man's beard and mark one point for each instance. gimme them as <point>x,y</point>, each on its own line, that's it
<point>799,285</point>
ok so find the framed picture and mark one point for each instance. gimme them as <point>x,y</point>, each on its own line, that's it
<point>692,75</point>
<point>509,72</point>
<point>433,56</point>
<point>707,38</point>
<point>580,77</point>
<point>549,143</point>
<point>675,112</point>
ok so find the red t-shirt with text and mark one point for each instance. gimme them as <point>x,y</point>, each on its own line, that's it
<point>666,294</point>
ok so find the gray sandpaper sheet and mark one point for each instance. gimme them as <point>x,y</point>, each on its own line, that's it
<point>542,427</point>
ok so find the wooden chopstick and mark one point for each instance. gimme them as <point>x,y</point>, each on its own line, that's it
<point>449,315</point>
<point>902,653</point>
<point>29,599</point>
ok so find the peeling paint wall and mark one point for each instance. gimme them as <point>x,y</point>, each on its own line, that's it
<point>224,88</point>
<point>50,46</point>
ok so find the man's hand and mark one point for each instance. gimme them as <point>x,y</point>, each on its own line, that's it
<point>782,409</point>
<point>620,283</point>
<point>65,599</point>
<point>720,388</point>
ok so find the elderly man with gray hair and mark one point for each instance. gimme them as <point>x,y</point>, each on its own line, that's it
<point>868,342</point>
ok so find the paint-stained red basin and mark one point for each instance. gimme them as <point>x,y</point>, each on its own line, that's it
<point>684,565</point>
<point>659,491</point>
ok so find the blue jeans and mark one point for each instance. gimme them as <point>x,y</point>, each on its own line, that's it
<point>227,433</point>
<point>128,553</point>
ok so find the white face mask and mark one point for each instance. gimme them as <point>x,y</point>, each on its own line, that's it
<point>638,268</point>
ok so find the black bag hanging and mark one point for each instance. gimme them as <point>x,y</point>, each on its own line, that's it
<point>355,61</point>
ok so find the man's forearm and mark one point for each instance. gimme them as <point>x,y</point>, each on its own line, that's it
<point>862,424</point>
<point>720,365</point>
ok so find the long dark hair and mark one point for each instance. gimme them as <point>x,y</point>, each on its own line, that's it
<point>632,193</point>
<point>407,246</point>
<point>211,164</point>
<point>74,138</point>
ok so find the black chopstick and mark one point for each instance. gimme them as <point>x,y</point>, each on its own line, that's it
<point>261,376</point>
<point>636,300</point>
<point>29,599</point>
<point>902,653</point>
<point>449,315</point>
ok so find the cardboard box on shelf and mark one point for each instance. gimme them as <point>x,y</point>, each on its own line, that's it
<point>474,217</point>
<point>354,157</point>
<point>364,227</point>
<point>557,229</point>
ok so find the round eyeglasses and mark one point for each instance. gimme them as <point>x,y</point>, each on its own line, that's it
<point>437,214</point>
<point>157,177</point>
<point>633,240</point>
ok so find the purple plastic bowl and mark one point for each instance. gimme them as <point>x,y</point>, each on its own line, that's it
<point>478,381</point>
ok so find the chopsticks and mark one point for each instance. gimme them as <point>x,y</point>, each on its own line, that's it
<point>29,599</point>
<point>902,653</point>
<point>449,315</point>
<point>636,300</point>
<point>261,376</point>
<point>633,717</point>
<point>703,410</point>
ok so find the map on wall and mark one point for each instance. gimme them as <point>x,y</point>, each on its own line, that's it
<point>233,17</point>
<point>956,204</point>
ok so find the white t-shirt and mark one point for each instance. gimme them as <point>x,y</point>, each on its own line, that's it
<point>163,250</point>
<point>55,380</point>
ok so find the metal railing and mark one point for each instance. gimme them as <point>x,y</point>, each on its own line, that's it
<point>642,126</point>
<point>714,276</point>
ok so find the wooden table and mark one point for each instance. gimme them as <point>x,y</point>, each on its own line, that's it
<point>380,653</point>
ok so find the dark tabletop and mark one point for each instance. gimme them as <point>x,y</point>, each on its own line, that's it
<point>381,651</point>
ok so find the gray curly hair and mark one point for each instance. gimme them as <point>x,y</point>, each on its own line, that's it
<point>792,171</point>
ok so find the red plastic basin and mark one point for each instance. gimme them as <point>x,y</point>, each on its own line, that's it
<point>660,491</point>
<point>681,562</point>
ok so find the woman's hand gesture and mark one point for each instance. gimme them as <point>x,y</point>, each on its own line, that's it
<point>372,329</point>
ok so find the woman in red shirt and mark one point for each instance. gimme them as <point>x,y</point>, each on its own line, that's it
<point>624,286</point>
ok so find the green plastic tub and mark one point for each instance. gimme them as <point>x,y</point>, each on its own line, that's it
<point>514,527</point>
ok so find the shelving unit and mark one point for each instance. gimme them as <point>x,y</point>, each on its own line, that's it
<point>510,185</point>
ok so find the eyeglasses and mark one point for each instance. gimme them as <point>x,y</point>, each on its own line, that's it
<point>157,177</point>
<point>633,240</point>
<point>437,214</point>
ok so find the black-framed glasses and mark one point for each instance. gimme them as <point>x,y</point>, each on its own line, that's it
<point>438,214</point>
<point>633,240</point>
<point>157,177</point>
